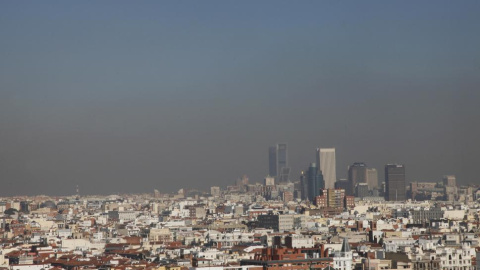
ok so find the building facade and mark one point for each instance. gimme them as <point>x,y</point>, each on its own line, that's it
<point>315,181</point>
<point>372,178</point>
<point>326,158</point>
<point>357,173</point>
<point>395,182</point>
<point>278,162</point>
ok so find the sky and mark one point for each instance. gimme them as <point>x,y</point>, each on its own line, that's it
<point>131,96</point>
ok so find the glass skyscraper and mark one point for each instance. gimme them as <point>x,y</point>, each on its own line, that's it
<point>315,181</point>
<point>278,162</point>
<point>272,161</point>
<point>395,182</point>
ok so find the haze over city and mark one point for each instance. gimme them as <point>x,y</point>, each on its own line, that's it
<point>118,96</point>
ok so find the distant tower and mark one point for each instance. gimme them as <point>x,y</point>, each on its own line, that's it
<point>326,159</point>
<point>77,190</point>
<point>272,161</point>
<point>450,187</point>
<point>372,178</point>
<point>395,182</point>
<point>278,162</point>
<point>304,185</point>
<point>357,173</point>
<point>282,156</point>
<point>449,180</point>
<point>282,162</point>
<point>315,181</point>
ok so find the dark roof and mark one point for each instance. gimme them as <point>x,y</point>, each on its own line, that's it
<point>345,245</point>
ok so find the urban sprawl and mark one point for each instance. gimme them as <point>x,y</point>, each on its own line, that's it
<point>310,221</point>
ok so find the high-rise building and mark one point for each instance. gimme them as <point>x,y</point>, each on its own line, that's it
<point>395,182</point>
<point>342,184</point>
<point>283,170</point>
<point>361,190</point>
<point>372,178</point>
<point>278,162</point>
<point>272,161</point>
<point>449,180</point>
<point>304,186</point>
<point>326,159</point>
<point>315,181</point>
<point>357,173</point>
<point>282,161</point>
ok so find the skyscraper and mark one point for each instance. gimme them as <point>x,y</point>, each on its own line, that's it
<point>272,161</point>
<point>303,186</point>
<point>361,190</point>
<point>395,182</point>
<point>282,162</point>
<point>342,184</point>
<point>372,178</point>
<point>278,162</point>
<point>315,181</point>
<point>326,159</point>
<point>357,173</point>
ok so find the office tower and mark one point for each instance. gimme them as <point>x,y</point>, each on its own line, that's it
<point>326,159</point>
<point>395,182</point>
<point>372,178</point>
<point>342,184</point>
<point>282,156</point>
<point>283,170</point>
<point>278,162</point>
<point>449,181</point>
<point>304,186</point>
<point>315,181</point>
<point>357,173</point>
<point>272,161</point>
<point>361,190</point>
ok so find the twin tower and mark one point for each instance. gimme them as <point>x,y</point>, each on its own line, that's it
<point>321,174</point>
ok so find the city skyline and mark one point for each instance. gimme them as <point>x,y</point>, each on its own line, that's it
<point>121,97</point>
<point>292,178</point>
<point>239,135</point>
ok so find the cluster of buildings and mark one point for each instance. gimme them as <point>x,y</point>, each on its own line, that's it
<point>312,223</point>
<point>362,181</point>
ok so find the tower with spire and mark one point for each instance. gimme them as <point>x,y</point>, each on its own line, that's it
<point>343,260</point>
